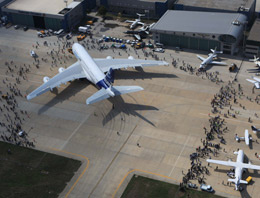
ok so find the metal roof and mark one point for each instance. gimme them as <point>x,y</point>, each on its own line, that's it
<point>254,34</point>
<point>39,6</point>
<point>217,4</point>
<point>200,22</point>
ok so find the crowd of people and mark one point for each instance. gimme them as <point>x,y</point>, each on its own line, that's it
<point>12,117</point>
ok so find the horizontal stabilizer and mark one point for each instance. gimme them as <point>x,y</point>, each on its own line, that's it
<point>243,182</point>
<point>120,90</point>
<point>117,90</point>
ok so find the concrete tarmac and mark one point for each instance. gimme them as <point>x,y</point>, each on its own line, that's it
<point>151,132</point>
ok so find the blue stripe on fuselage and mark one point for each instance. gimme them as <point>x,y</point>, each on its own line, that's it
<point>103,84</point>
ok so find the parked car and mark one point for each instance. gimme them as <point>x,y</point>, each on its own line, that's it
<point>25,28</point>
<point>161,50</point>
<point>16,27</point>
<point>207,188</point>
<point>191,185</point>
<point>33,54</point>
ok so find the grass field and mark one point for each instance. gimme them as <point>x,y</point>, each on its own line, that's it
<point>31,173</point>
<point>149,188</point>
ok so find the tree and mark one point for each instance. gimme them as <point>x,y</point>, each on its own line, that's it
<point>102,10</point>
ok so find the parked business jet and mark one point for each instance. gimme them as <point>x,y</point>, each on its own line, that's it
<point>209,60</point>
<point>254,129</point>
<point>93,70</point>
<point>239,166</point>
<point>255,60</point>
<point>246,138</point>
<point>256,82</point>
<point>136,21</point>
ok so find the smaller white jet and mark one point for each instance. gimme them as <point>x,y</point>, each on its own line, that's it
<point>256,82</point>
<point>255,60</point>
<point>246,138</point>
<point>209,60</point>
<point>254,129</point>
<point>136,21</point>
<point>239,166</point>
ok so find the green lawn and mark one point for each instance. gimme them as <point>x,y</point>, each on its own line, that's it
<point>31,173</point>
<point>149,188</point>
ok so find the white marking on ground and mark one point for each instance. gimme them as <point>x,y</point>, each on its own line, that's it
<point>180,154</point>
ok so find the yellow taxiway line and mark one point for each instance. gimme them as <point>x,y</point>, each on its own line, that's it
<point>138,170</point>
<point>82,173</point>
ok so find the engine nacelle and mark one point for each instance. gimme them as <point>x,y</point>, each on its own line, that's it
<point>131,58</point>
<point>46,79</point>
<point>61,69</point>
<point>109,57</point>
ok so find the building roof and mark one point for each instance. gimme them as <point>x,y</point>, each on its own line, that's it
<point>254,34</point>
<point>39,6</point>
<point>200,22</point>
<point>217,4</point>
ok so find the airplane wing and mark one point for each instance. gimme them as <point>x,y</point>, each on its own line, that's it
<point>71,73</point>
<point>106,64</point>
<point>128,21</point>
<point>257,79</point>
<point>251,166</point>
<point>140,23</point>
<point>225,163</point>
<point>218,63</point>
<point>246,137</point>
<point>201,58</point>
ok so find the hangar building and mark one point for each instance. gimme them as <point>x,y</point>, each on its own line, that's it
<point>253,40</point>
<point>200,30</point>
<point>3,3</point>
<point>152,8</point>
<point>47,14</point>
<point>246,7</point>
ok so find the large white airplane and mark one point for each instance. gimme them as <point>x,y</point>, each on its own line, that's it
<point>246,138</point>
<point>136,21</point>
<point>255,60</point>
<point>209,59</point>
<point>239,166</point>
<point>256,82</point>
<point>93,70</point>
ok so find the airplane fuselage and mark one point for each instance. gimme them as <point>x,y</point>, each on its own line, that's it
<point>134,24</point>
<point>207,61</point>
<point>239,168</point>
<point>90,68</point>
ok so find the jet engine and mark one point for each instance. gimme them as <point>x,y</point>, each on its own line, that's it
<point>109,57</point>
<point>46,79</point>
<point>61,69</point>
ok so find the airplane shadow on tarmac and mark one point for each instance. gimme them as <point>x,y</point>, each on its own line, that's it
<point>140,74</point>
<point>119,106</point>
<point>76,86</point>
<point>72,89</point>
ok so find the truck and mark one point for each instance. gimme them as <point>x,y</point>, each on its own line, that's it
<point>83,29</point>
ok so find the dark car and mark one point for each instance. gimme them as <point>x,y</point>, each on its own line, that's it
<point>25,28</point>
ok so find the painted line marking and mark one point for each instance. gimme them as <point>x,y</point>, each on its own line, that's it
<point>75,130</point>
<point>82,173</point>
<point>180,154</point>
<point>157,174</point>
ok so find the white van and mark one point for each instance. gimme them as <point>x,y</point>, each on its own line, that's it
<point>83,29</point>
<point>58,32</point>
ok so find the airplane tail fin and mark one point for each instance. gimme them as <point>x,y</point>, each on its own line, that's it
<point>110,76</point>
<point>215,51</point>
<point>117,90</point>
<point>254,129</point>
